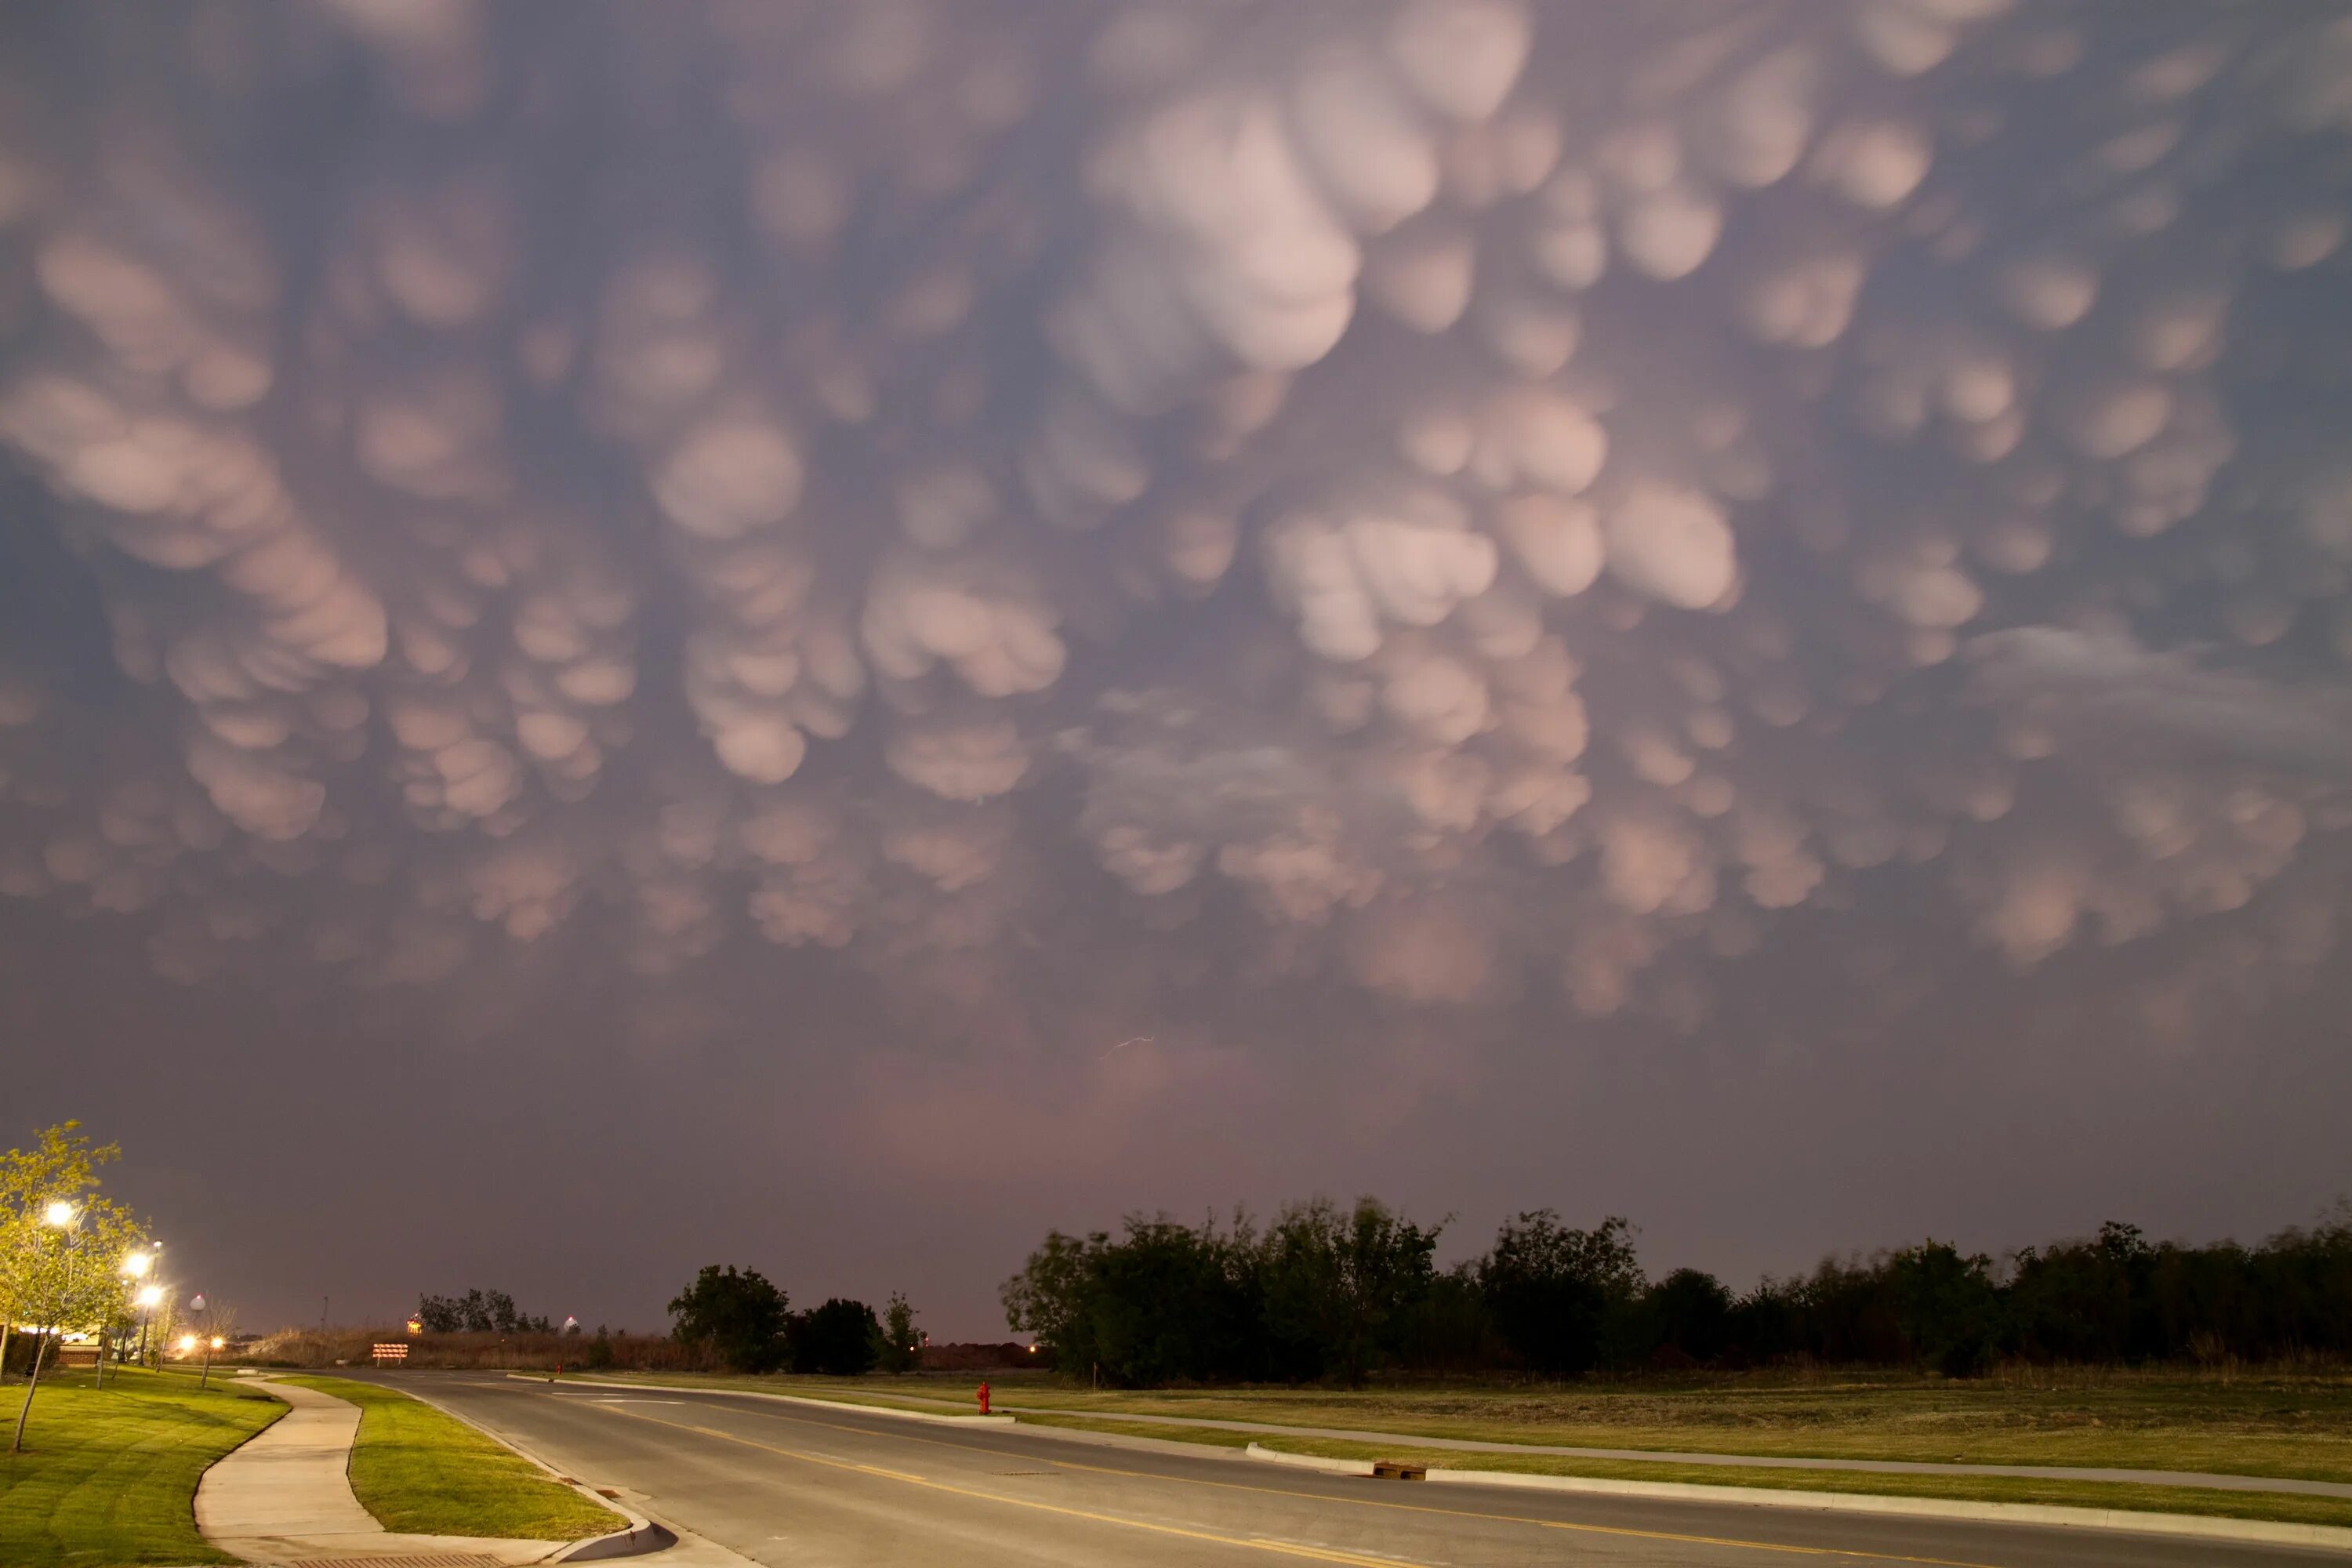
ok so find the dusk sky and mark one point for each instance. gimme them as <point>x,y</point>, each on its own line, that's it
<point>823,635</point>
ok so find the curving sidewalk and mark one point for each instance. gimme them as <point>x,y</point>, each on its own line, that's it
<point>285,1498</point>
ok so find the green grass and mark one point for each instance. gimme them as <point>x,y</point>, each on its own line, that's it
<point>2266,1423</point>
<point>109,1476</point>
<point>2285,1506</point>
<point>420,1472</point>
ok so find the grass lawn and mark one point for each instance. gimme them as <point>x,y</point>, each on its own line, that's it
<point>109,1476</point>
<point>424,1473</point>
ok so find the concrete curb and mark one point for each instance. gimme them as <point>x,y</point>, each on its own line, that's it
<point>1360,1467</point>
<point>2205,1527</point>
<point>637,1537</point>
<point>932,1417</point>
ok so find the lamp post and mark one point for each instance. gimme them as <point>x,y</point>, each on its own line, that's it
<point>197,1305</point>
<point>149,1300</point>
<point>135,1265</point>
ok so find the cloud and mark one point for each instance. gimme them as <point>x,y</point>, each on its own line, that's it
<point>1499,504</point>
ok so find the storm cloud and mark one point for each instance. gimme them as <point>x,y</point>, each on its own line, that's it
<point>1086,515</point>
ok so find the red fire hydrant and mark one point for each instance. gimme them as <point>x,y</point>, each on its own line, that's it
<point>983,1399</point>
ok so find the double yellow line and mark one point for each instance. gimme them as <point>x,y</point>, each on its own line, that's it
<point>1254,1543</point>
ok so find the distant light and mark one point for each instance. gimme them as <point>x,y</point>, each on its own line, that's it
<point>1033,1349</point>
<point>152,1297</point>
<point>218,1342</point>
<point>138,1263</point>
<point>415,1325</point>
<point>188,1341</point>
<point>59,1214</point>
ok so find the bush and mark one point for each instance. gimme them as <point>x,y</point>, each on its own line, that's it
<point>840,1339</point>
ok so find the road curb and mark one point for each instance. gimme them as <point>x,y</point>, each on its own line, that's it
<point>932,1417</point>
<point>2203,1527</point>
<point>1264,1455</point>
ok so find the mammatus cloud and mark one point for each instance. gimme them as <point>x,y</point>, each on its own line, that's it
<point>1493,500</point>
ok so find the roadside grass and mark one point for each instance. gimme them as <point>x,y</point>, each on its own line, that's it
<point>2283,1507</point>
<point>2273,1421</point>
<point>420,1472</point>
<point>2270,1422</point>
<point>108,1475</point>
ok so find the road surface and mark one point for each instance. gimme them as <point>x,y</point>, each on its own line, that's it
<point>790,1485</point>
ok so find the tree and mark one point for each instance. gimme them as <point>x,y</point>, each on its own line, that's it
<point>1949,1304</point>
<point>901,1347</point>
<point>840,1339</point>
<point>1334,1284</point>
<point>1552,1289</point>
<point>61,1245</point>
<point>1689,1315</point>
<point>1164,1302</point>
<point>739,1315</point>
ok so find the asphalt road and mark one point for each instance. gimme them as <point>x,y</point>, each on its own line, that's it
<point>790,1485</point>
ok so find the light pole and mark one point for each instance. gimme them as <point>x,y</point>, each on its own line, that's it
<point>149,1300</point>
<point>135,1265</point>
<point>197,1305</point>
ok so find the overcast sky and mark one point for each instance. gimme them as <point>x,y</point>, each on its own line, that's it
<point>825,635</point>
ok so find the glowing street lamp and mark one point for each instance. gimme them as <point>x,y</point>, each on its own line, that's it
<point>187,1344</point>
<point>60,1214</point>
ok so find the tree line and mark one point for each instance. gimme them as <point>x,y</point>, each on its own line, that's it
<point>480,1311</point>
<point>1327,1293</point>
<point>748,1324</point>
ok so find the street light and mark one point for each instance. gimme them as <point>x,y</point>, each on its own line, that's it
<point>197,1305</point>
<point>149,1300</point>
<point>60,1214</point>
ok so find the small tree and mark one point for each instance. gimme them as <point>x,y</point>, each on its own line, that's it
<point>901,1348</point>
<point>69,1277</point>
<point>60,1246</point>
<point>740,1316</point>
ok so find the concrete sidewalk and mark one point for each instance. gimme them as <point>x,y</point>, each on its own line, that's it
<point>285,1498</point>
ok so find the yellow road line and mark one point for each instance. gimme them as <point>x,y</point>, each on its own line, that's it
<point>1283,1548</point>
<point>1620,1531</point>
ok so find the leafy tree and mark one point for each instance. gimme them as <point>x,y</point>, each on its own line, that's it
<point>901,1347</point>
<point>1552,1289</point>
<point>1052,1296</point>
<point>60,1270</point>
<point>740,1316</point>
<point>840,1339</point>
<point>1336,1285</point>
